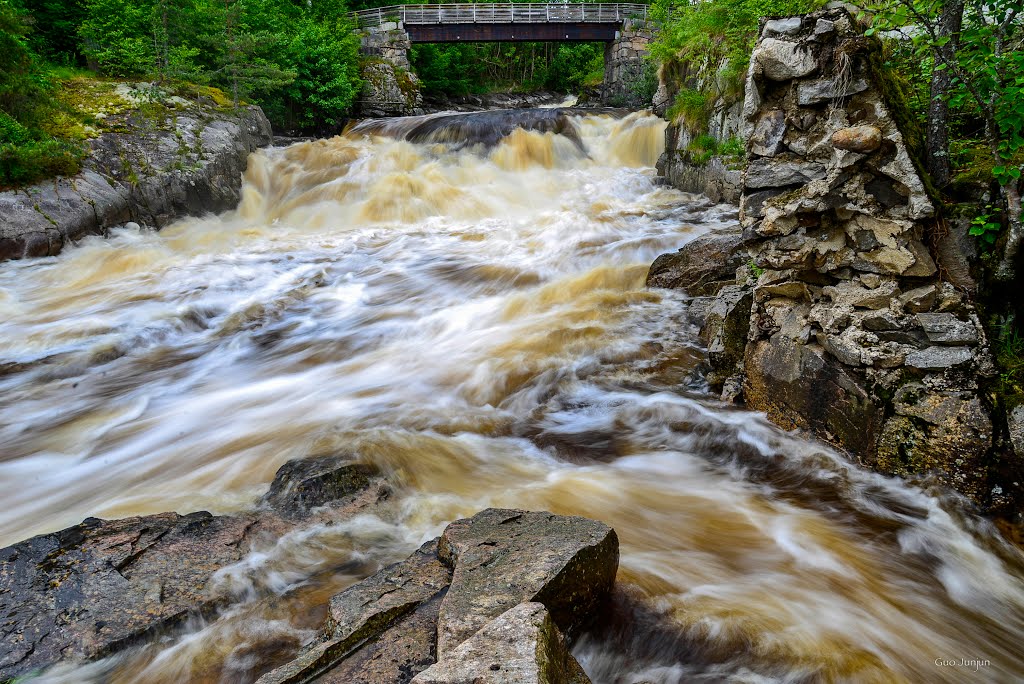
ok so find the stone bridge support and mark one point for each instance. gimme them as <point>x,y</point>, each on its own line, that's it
<point>625,69</point>
<point>390,88</point>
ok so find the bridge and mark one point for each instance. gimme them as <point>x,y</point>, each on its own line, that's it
<point>504,22</point>
<point>387,34</point>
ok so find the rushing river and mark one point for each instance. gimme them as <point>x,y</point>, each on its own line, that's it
<point>473,319</point>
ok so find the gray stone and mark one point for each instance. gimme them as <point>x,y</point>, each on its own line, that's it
<point>848,292</point>
<point>521,646</point>
<point>947,329</point>
<point>824,27</point>
<point>766,173</point>
<point>919,299</point>
<point>939,358</point>
<point>725,331</point>
<point>702,266</point>
<point>768,134</point>
<point>781,60</point>
<point>782,27</point>
<point>504,557</point>
<point>1015,424</point>
<point>88,590</point>
<point>139,173</point>
<point>825,89</point>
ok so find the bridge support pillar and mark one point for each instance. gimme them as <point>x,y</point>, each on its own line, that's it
<point>627,75</point>
<point>390,88</point>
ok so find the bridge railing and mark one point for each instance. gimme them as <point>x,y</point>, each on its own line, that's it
<point>502,13</point>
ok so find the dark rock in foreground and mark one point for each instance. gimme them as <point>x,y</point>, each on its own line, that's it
<point>396,624</point>
<point>101,586</point>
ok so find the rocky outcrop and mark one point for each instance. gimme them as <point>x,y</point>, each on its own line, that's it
<point>101,586</point>
<point>454,599</point>
<point>390,88</point>
<point>624,65</point>
<point>851,333</point>
<point>685,165</point>
<point>150,170</point>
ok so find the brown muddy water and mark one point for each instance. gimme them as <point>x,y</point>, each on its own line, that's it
<point>473,319</point>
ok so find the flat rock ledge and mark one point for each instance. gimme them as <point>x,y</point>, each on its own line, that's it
<point>104,585</point>
<point>487,602</point>
<point>150,172</point>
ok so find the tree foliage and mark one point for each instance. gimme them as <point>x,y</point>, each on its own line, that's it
<point>984,61</point>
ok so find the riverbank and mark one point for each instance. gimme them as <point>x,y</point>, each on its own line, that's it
<point>152,157</point>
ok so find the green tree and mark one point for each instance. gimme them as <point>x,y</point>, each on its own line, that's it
<point>982,56</point>
<point>117,36</point>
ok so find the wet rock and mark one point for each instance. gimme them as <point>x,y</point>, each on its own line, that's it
<point>801,386</point>
<point>504,557</point>
<point>858,139</point>
<point>945,328</point>
<point>521,646</point>
<point>100,586</point>
<point>769,133</point>
<point>939,358</point>
<point>765,173</point>
<point>302,484</point>
<point>943,433</point>
<point>781,60</point>
<point>702,266</point>
<point>725,332</point>
<point>395,624</point>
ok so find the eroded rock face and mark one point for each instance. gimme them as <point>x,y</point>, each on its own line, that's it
<point>849,312</point>
<point>521,646</point>
<point>399,622</point>
<point>148,174</point>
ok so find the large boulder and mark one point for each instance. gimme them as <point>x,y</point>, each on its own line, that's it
<point>521,646</point>
<point>703,265</point>
<point>504,557</point>
<point>94,588</point>
<point>398,623</point>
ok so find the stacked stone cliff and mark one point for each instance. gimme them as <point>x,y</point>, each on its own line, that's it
<point>853,333</point>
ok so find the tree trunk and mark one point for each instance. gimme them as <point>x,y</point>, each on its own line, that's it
<point>1014,235</point>
<point>937,142</point>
